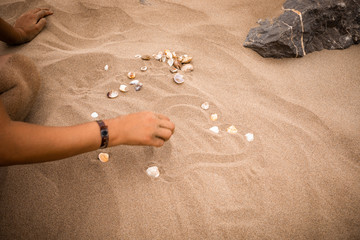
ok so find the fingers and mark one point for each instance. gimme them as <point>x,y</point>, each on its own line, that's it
<point>43,13</point>
<point>163,133</point>
<point>41,24</point>
<point>167,124</point>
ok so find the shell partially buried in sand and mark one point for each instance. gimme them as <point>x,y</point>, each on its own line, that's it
<point>103,157</point>
<point>131,75</point>
<point>153,172</point>
<point>123,88</point>
<point>187,68</point>
<point>113,94</point>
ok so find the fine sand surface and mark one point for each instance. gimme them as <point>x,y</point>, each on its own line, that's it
<point>298,179</point>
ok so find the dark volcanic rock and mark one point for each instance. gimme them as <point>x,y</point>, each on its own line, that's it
<point>307,26</point>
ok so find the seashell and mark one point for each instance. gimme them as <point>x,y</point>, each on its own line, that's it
<point>134,82</point>
<point>186,60</point>
<point>168,54</point>
<point>249,137</point>
<point>180,58</point>
<point>113,94</point>
<point>94,115</point>
<point>174,54</point>
<point>153,172</point>
<point>138,86</point>
<point>215,129</point>
<point>137,56</point>
<point>187,68</point>
<point>131,75</point>
<point>143,69</point>
<point>205,106</point>
<point>232,129</point>
<point>173,70</point>
<point>177,64</point>
<point>163,58</point>
<point>104,157</point>
<point>106,67</point>
<point>170,62</point>
<point>123,88</point>
<point>145,57</point>
<point>158,57</point>
<point>178,78</point>
<point>214,117</point>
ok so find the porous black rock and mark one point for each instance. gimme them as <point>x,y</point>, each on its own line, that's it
<point>307,26</point>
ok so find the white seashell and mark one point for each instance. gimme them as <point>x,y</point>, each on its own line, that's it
<point>168,54</point>
<point>174,54</point>
<point>170,62</point>
<point>232,129</point>
<point>215,129</point>
<point>94,115</point>
<point>153,172</point>
<point>123,88</point>
<point>173,70</point>
<point>163,58</point>
<point>214,117</point>
<point>158,57</point>
<point>187,68</point>
<point>131,75</point>
<point>138,56</point>
<point>143,69</point>
<point>178,78</point>
<point>249,137</point>
<point>138,86</point>
<point>106,67</point>
<point>103,157</point>
<point>113,94</point>
<point>134,82</point>
<point>205,106</point>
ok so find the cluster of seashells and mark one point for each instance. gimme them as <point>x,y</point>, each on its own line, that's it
<point>176,62</point>
<point>231,129</point>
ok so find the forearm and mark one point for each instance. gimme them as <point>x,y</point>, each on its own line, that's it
<point>8,34</point>
<point>29,143</point>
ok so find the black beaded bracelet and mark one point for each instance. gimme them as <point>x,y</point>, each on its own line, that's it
<point>104,132</point>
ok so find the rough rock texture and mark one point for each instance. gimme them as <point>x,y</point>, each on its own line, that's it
<point>307,26</point>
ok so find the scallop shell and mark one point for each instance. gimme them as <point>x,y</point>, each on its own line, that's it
<point>173,70</point>
<point>187,68</point>
<point>214,117</point>
<point>131,75</point>
<point>123,88</point>
<point>145,57</point>
<point>138,86</point>
<point>249,137</point>
<point>153,172</point>
<point>103,157</point>
<point>178,78</point>
<point>144,68</point>
<point>186,60</point>
<point>232,129</point>
<point>215,129</point>
<point>205,106</point>
<point>134,82</point>
<point>113,94</point>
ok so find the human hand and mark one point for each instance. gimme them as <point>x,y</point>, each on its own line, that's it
<point>30,24</point>
<point>143,128</point>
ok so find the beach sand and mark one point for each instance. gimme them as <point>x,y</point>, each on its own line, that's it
<point>298,179</point>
